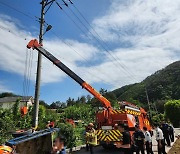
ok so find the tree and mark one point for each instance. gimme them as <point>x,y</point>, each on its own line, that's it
<point>55,105</point>
<point>16,109</point>
<point>160,105</point>
<point>70,102</point>
<point>7,94</point>
<point>41,102</point>
<point>157,118</point>
<point>67,131</point>
<point>172,112</point>
<point>7,124</point>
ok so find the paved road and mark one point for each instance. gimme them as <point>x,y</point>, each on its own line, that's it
<point>100,150</point>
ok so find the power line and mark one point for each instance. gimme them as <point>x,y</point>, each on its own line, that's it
<point>26,75</point>
<point>71,62</point>
<point>122,65</point>
<point>83,31</point>
<point>28,66</point>
<point>17,10</point>
<point>25,14</point>
<point>10,31</point>
<point>94,30</point>
<point>97,39</point>
<point>67,44</point>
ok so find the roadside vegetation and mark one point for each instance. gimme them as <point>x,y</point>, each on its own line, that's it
<point>163,89</point>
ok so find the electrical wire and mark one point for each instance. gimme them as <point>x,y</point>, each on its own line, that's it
<point>79,28</point>
<point>25,14</point>
<point>28,65</point>
<point>17,10</point>
<point>89,72</point>
<point>122,65</point>
<point>101,44</point>
<point>26,75</point>
<point>10,31</point>
<point>99,70</point>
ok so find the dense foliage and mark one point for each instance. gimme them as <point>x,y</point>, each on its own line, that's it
<point>172,112</point>
<point>82,110</point>
<point>161,86</point>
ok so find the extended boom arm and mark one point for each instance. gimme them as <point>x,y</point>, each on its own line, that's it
<point>35,45</point>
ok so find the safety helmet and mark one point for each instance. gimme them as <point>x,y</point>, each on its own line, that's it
<point>5,149</point>
<point>91,125</point>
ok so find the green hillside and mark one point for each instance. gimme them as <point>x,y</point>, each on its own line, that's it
<point>162,85</point>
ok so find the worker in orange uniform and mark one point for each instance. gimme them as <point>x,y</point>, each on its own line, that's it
<point>91,137</point>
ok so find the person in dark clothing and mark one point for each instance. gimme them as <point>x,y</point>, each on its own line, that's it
<point>164,127</point>
<point>126,143</point>
<point>171,132</point>
<point>138,140</point>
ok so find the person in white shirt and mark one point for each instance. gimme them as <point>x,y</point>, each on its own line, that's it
<point>148,141</point>
<point>160,140</point>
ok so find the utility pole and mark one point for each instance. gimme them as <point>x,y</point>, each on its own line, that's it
<point>148,103</point>
<point>43,3</point>
<point>39,63</point>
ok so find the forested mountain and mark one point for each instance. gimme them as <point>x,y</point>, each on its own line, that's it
<point>162,85</point>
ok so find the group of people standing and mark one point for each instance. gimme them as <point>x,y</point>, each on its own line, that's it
<point>164,136</point>
<point>139,142</point>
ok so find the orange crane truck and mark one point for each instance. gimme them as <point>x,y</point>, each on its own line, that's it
<point>107,117</point>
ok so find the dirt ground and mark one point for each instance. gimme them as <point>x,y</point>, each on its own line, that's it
<point>175,148</point>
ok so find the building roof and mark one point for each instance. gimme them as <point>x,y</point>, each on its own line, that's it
<point>13,99</point>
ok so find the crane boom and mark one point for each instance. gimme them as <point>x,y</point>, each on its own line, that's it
<point>35,45</point>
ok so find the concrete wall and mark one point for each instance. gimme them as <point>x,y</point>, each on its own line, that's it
<point>9,105</point>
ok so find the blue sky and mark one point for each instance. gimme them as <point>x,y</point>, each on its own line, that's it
<point>141,37</point>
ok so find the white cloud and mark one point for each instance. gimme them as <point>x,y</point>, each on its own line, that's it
<point>145,35</point>
<point>4,88</point>
<point>150,28</point>
<point>13,53</point>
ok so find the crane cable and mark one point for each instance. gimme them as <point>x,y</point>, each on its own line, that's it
<point>27,72</point>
